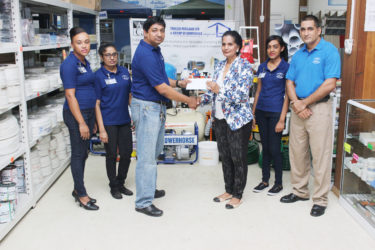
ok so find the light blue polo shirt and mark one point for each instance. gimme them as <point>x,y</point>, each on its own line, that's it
<point>308,70</point>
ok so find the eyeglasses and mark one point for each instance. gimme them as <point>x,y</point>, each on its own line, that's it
<point>111,55</point>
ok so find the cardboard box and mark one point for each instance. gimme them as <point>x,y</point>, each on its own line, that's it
<point>90,4</point>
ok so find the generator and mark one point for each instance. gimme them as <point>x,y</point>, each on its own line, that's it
<point>179,148</point>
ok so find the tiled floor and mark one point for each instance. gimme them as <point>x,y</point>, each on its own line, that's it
<point>191,219</point>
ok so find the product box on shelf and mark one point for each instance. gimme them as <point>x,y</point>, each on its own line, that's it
<point>90,4</point>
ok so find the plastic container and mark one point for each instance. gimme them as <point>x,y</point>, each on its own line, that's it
<point>208,153</point>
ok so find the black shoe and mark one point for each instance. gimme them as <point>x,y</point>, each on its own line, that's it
<point>116,194</point>
<point>275,190</point>
<point>261,186</point>
<point>317,210</point>
<point>150,210</point>
<point>88,206</point>
<point>159,193</point>
<point>125,191</point>
<point>75,195</point>
<point>290,198</point>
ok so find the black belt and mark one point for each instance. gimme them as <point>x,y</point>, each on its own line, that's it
<point>160,102</point>
<point>324,99</point>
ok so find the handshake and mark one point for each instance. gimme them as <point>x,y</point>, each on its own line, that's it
<point>193,102</point>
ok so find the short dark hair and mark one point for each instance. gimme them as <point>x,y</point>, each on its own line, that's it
<point>75,31</point>
<point>236,37</point>
<point>104,46</point>
<point>279,39</point>
<point>151,20</point>
<point>311,18</point>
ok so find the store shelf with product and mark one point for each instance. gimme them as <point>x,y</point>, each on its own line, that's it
<point>28,86</point>
<point>357,192</point>
<point>24,202</point>
<point>44,47</point>
<point>8,48</point>
<point>38,192</point>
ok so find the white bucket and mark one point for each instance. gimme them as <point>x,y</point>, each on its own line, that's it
<point>208,153</point>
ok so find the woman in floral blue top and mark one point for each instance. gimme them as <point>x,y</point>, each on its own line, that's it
<point>229,93</point>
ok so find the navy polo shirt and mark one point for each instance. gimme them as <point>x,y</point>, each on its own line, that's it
<point>308,70</point>
<point>271,96</point>
<point>113,89</point>
<point>76,75</point>
<point>148,71</point>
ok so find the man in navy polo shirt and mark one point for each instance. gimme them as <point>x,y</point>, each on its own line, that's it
<point>311,77</point>
<point>151,91</point>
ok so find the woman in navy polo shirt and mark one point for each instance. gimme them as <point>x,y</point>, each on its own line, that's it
<point>113,85</point>
<point>79,110</point>
<point>270,108</point>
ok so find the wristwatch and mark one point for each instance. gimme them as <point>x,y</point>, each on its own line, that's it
<point>177,84</point>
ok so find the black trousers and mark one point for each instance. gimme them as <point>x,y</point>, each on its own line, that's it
<point>232,147</point>
<point>79,147</point>
<point>119,136</point>
<point>271,144</point>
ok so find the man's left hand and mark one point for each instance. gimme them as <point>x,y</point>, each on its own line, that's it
<point>183,83</point>
<point>304,114</point>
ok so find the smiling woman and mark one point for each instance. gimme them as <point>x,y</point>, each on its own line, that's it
<point>112,85</point>
<point>79,114</point>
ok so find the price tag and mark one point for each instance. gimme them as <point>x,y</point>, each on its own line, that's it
<point>11,159</point>
<point>38,94</point>
<point>347,147</point>
<point>370,146</point>
<point>58,45</point>
<point>355,157</point>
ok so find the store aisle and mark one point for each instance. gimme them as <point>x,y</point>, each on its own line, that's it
<point>191,220</point>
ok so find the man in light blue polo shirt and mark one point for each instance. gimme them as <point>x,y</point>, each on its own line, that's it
<point>151,90</point>
<point>311,77</point>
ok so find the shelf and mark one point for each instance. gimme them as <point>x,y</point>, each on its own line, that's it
<point>44,47</point>
<point>359,214</point>
<point>10,106</point>
<point>39,94</point>
<point>24,204</point>
<point>335,18</point>
<point>6,160</point>
<point>8,48</point>
<point>50,180</point>
<point>360,149</point>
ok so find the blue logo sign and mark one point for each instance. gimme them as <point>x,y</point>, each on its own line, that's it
<point>220,28</point>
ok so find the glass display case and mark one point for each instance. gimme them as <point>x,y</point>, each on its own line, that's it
<point>357,192</point>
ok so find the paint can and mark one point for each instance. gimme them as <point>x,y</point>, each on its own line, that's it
<point>7,210</point>
<point>8,191</point>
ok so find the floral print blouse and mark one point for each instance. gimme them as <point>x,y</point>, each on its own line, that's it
<point>234,95</point>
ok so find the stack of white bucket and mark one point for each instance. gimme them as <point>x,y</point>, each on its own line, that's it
<point>9,135</point>
<point>9,85</point>
<point>61,147</point>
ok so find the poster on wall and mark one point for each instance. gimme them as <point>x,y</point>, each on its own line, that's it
<point>188,43</point>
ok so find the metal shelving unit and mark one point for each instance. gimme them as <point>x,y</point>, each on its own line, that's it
<point>28,200</point>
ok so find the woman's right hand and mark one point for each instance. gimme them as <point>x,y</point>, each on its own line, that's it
<point>103,136</point>
<point>84,131</point>
<point>254,123</point>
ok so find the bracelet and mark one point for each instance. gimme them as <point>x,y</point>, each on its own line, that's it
<point>177,84</point>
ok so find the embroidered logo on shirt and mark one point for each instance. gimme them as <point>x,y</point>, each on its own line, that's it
<point>316,60</point>
<point>280,75</point>
<point>125,77</point>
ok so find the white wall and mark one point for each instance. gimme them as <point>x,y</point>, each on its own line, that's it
<point>289,8</point>
<point>314,6</point>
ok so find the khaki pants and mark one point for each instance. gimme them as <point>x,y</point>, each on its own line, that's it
<point>314,133</point>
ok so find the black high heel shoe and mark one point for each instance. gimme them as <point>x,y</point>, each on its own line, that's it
<point>88,206</point>
<point>75,195</point>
